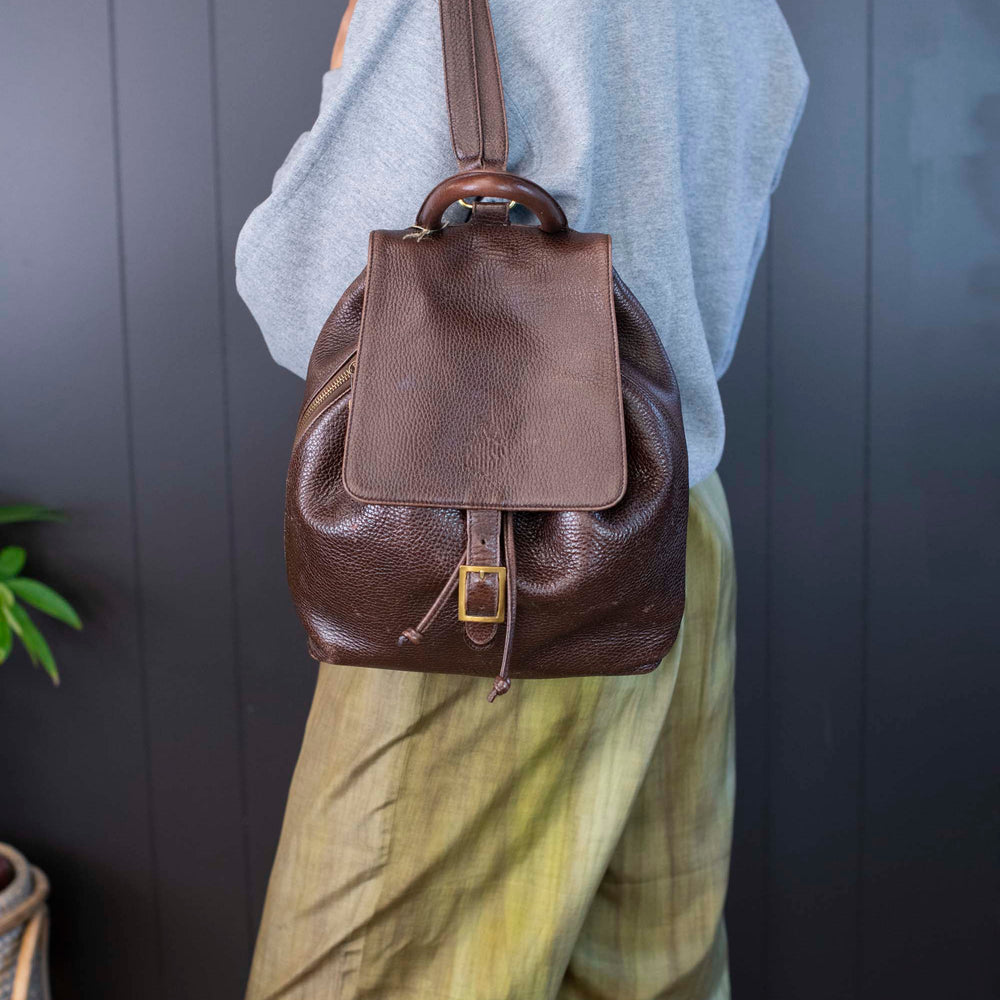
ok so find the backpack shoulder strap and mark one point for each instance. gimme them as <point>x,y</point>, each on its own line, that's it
<point>473,85</point>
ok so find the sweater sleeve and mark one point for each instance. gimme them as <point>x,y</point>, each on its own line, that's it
<point>733,157</point>
<point>379,143</point>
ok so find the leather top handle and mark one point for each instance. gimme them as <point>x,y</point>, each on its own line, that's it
<point>491,184</point>
<point>473,86</point>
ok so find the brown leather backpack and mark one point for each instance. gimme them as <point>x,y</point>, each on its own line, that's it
<point>488,410</point>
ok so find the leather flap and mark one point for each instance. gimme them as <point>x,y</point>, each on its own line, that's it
<point>487,372</point>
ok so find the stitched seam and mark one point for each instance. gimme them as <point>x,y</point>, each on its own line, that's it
<point>369,281</point>
<point>623,479</point>
<point>534,505</point>
<point>445,45</point>
<point>481,143</point>
<point>503,104</point>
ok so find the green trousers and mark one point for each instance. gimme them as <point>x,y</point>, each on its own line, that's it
<point>570,841</point>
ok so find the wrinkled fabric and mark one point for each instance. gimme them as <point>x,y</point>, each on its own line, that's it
<point>569,842</point>
<point>662,123</point>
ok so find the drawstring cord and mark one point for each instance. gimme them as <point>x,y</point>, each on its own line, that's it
<point>415,635</point>
<point>501,685</point>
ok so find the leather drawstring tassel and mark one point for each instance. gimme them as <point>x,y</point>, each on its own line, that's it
<point>415,635</point>
<point>502,683</point>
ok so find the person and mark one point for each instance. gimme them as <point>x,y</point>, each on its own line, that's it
<point>573,840</point>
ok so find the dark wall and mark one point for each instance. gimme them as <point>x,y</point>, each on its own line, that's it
<point>862,469</point>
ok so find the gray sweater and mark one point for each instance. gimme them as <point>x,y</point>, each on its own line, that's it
<point>661,122</point>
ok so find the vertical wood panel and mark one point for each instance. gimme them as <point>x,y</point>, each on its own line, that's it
<point>133,379</point>
<point>931,821</point>
<point>817,526</point>
<point>73,778</point>
<point>744,472</point>
<point>178,389</point>
<point>270,66</point>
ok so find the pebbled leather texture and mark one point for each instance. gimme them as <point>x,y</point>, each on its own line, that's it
<point>598,592</point>
<point>447,321</point>
<point>487,372</point>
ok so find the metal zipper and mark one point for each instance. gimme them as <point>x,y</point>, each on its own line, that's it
<point>335,385</point>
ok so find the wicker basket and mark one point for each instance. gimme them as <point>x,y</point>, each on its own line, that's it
<point>24,932</point>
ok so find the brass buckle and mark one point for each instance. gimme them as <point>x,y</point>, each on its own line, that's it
<point>501,574</point>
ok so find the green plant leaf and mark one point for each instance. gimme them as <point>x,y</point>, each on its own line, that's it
<point>6,595</point>
<point>21,512</point>
<point>40,596</point>
<point>11,561</point>
<point>34,642</point>
<point>6,639</point>
<point>11,619</point>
